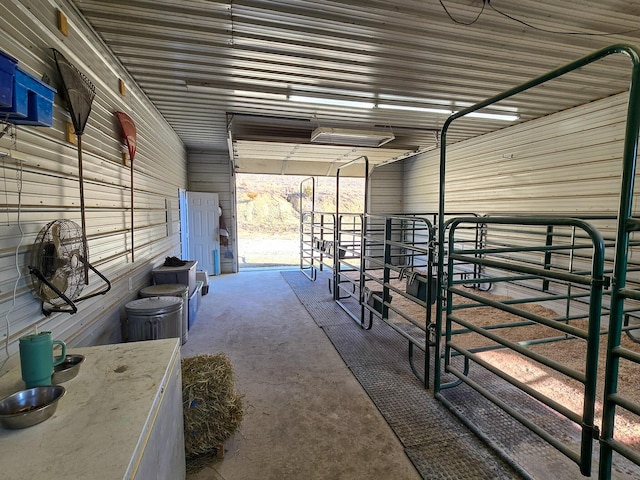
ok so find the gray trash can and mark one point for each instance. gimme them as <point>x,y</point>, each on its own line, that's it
<point>172,290</point>
<point>154,318</point>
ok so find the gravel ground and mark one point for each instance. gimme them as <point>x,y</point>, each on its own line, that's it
<point>266,252</point>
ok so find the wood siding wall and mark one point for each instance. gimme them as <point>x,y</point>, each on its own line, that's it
<point>212,172</point>
<point>40,183</point>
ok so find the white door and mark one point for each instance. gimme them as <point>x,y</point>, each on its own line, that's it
<point>203,237</point>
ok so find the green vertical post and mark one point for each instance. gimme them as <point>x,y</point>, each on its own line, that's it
<point>386,276</point>
<point>547,256</point>
<point>620,264</point>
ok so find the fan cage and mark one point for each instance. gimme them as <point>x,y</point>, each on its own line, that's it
<point>57,255</point>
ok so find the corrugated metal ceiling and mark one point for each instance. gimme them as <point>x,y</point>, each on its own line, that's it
<point>211,67</point>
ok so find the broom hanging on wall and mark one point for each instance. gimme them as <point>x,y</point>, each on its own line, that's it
<point>130,138</point>
<point>79,93</point>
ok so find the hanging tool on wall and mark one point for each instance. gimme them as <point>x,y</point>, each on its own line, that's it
<point>224,235</point>
<point>130,139</point>
<point>79,93</point>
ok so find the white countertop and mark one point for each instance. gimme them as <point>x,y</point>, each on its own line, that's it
<point>100,425</point>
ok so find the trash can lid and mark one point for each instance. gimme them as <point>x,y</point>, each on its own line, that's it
<point>154,305</point>
<point>168,289</point>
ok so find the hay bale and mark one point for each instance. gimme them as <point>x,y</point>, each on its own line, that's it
<point>212,407</point>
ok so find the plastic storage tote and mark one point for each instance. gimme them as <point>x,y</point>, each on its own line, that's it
<point>201,276</point>
<point>185,275</point>
<point>31,102</point>
<point>194,303</point>
<point>7,73</point>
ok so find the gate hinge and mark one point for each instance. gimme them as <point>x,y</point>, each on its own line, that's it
<point>604,282</point>
<point>595,432</point>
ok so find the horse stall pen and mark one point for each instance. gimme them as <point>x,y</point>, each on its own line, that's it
<point>331,242</point>
<point>398,263</point>
<point>544,347</point>
<point>479,327</point>
<point>370,258</point>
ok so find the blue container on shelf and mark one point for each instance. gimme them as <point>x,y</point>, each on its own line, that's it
<point>32,101</point>
<point>7,73</point>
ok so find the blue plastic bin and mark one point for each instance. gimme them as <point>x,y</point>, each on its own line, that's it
<point>32,102</point>
<point>7,73</point>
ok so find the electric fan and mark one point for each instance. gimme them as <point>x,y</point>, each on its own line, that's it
<point>57,267</point>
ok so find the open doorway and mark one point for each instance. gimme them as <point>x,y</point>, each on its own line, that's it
<point>268,215</point>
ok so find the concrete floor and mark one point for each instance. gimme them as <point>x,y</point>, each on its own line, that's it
<point>307,417</point>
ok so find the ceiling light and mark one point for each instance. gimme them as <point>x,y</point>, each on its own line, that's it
<point>344,136</point>
<point>494,116</point>
<point>262,95</point>
<point>331,101</point>
<point>441,111</point>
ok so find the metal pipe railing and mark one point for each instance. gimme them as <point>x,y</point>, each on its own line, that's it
<point>625,225</point>
<point>594,280</point>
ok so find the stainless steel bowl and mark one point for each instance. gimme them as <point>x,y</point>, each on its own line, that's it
<point>68,369</point>
<point>30,407</point>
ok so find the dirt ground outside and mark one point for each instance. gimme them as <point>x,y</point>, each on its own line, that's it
<point>255,251</point>
<point>268,215</point>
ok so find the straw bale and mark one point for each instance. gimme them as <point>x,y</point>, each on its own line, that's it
<point>213,409</point>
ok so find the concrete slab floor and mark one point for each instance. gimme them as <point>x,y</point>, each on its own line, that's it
<point>307,417</point>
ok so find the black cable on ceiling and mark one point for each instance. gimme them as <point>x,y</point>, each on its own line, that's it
<point>484,2</point>
<point>593,34</point>
<point>527,24</point>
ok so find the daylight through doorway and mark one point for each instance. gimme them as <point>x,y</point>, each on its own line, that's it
<point>268,209</point>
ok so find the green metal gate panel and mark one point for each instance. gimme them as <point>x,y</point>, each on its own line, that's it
<point>626,225</point>
<point>521,330</point>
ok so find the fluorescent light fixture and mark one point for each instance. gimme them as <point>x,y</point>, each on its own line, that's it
<point>267,95</point>
<point>494,116</point>
<point>498,108</point>
<point>353,137</point>
<point>331,102</point>
<point>440,111</point>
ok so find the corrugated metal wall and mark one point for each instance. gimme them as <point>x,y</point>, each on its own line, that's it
<point>40,183</point>
<point>568,164</point>
<point>565,163</point>
<point>212,172</point>
<point>385,187</point>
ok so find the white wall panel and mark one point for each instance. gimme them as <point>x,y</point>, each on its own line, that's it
<point>385,189</point>
<point>566,163</point>
<point>40,182</point>
<point>212,172</point>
